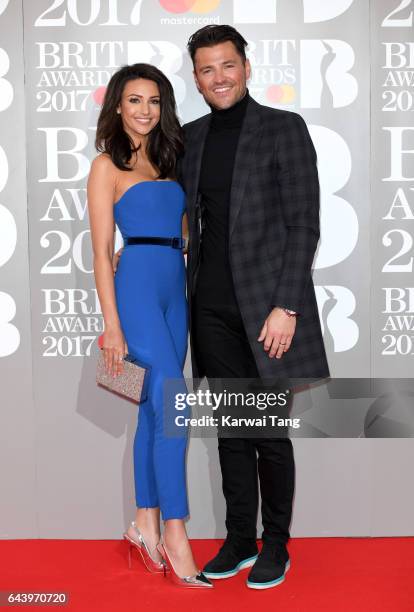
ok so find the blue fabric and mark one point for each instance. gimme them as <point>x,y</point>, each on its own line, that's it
<point>150,295</point>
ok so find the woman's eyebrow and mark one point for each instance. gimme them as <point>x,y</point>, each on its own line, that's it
<point>141,96</point>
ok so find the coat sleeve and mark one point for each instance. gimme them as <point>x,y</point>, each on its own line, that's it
<point>297,176</point>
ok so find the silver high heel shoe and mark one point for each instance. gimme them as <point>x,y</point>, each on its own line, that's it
<point>153,566</point>
<point>195,581</point>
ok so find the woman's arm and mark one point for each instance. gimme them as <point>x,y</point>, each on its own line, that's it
<point>101,188</point>
<point>184,232</point>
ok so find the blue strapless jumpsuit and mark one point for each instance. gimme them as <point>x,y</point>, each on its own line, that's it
<point>152,307</point>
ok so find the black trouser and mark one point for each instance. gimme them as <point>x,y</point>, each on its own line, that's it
<point>224,352</point>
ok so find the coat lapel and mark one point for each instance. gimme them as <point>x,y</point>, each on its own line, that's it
<point>194,153</point>
<point>247,144</point>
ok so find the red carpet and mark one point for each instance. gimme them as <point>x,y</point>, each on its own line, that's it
<point>327,574</point>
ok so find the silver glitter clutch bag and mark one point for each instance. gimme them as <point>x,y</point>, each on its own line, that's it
<point>132,383</point>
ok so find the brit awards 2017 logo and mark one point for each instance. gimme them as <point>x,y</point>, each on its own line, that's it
<point>72,73</point>
<point>397,79</point>
<point>320,68</point>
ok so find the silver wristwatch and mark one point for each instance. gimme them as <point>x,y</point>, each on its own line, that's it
<point>290,313</point>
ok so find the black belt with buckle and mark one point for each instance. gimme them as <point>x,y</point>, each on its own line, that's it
<point>175,243</point>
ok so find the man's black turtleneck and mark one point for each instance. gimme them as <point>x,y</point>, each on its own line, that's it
<point>215,284</point>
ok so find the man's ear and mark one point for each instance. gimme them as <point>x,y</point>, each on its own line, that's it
<point>196,81</point>
<point>248,69</point>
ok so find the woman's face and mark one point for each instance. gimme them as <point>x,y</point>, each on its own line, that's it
<point>140,107</point>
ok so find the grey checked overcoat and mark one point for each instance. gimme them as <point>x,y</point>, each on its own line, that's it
<point>273,232</point>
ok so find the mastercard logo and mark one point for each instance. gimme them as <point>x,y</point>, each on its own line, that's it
<point>281,94</point>
<point>185,6</point>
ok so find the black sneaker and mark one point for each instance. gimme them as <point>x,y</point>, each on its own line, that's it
<point>270,568</point>
<point>230,559</point>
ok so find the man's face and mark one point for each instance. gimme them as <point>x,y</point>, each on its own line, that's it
<point>221,74</point>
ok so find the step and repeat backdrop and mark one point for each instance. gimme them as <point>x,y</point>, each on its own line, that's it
<point>347,66</point>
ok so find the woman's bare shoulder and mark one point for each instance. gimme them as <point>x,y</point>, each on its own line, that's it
<point>103,179</point>
<point>103,163</point>
<point>104,171</point>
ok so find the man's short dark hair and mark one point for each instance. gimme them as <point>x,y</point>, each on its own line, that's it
<point>212,35</point>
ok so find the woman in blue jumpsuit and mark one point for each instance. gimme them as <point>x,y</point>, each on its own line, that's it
<point>150,296</point>
<point>132,183</point>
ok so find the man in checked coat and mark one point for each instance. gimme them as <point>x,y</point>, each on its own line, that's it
<point>252,190</point>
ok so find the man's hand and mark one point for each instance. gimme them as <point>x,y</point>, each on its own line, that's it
<point>277,332</point>
<point>115,260</point>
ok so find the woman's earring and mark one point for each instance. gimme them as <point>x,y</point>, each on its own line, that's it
<point>118,111</point>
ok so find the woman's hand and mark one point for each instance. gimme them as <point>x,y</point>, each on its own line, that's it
<point>115,348</point>
<point>115,259</point>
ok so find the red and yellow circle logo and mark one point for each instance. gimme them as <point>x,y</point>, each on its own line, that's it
<point>282,94</point>
<point>193,6</point>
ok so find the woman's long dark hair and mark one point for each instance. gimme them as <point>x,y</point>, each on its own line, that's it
<point>165,141</point>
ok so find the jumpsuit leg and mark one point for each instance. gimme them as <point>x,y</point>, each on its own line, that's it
<point>177,322</point>
<point>144,474</point>
<point>167,468</point>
